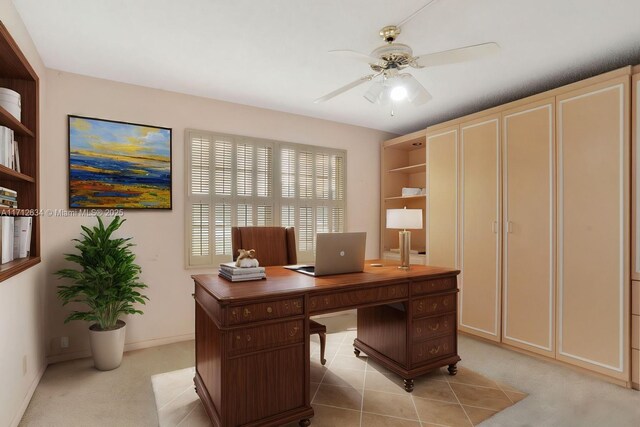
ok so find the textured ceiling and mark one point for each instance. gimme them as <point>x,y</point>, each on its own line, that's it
<point>273,54</point>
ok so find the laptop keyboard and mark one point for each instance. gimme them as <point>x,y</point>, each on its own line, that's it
<point>308,268</point>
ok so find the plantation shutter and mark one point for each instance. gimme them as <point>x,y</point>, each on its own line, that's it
<point>240,181</point>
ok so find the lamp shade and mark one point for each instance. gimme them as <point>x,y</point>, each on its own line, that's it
<point>404,218</point>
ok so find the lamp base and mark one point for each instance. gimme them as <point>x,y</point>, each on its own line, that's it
<point>405,243</point>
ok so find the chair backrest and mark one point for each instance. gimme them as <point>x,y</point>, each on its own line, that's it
<point>273,245</point>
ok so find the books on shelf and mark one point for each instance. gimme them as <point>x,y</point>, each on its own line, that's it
<point>8,198</point>
<point>229,271</point>
<point>9,155</point>
<point>16,237</point>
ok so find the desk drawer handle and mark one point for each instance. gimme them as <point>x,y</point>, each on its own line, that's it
<point>326,301</point>
<point>269,310</point>
<point>293,331</point>
<point>248,338</point>
<point>247,312</point>
<point>420,306</point>
<point>435,328</point>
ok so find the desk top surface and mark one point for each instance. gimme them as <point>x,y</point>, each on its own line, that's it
<point>281,281</point>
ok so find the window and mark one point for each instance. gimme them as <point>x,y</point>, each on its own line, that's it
<point>241,181</point>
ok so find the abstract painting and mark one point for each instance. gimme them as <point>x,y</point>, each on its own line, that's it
<point>118,165</point>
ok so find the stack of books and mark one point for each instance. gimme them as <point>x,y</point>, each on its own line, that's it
<point>229,271</point>
<point>8,198</point>
<point>15,234</point>
<point>9,155</point>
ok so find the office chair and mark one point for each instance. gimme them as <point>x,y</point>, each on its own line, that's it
<point>274,246</point>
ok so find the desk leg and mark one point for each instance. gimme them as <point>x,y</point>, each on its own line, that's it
<point>453,369</point>
<point>305,422</point>
<point>408,385</point>
<point>356,352</point>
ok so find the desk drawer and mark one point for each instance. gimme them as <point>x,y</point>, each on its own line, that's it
<point>433,349</point>
<point>263,311</point>
<point>358,297</point>
<point>430,286</point>
<point>431,327</point>
<point>261,337</point>
<point>434,305</point>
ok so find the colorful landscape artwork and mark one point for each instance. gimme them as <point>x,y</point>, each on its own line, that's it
<point>118,165</point>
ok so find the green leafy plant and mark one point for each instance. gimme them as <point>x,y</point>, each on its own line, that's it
<point>107,280</point>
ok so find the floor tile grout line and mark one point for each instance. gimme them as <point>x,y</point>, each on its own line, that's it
<point>190,412</point>
<point>364,383</point>
<point>505,393</point>
<point>460,403</point>
<point>177,396</point>
<point>325,374</point>
<point>415,408</point>
<point>389,416</point>
<point>475,385</point>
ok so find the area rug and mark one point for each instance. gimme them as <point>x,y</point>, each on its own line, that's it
<point>352,391</point>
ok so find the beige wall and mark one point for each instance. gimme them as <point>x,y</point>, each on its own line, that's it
<point>160,235</point>
<point>21,297</point>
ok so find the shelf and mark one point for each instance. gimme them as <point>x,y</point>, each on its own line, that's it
<point>11,175</point>
<point>410,169</point>
<point>406,197</point>
<point>7,120</point>
<point>16,266</point>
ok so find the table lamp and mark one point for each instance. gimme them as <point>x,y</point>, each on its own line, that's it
<point>403,219</point>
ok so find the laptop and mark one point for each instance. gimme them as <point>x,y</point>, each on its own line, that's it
<point>336,253</point>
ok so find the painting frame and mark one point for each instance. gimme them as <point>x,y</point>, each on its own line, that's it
<point>121,165</point>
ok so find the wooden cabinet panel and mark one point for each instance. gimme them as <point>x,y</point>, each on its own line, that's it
<point>433,349</point>
<point>480,233</point>
<point>442,203</point>
<point>593,227</point>
<point>263,311</point>
<point>528,279</point>
<point>267,336</point>
<point>356,298</point>
<point>434,305</point>
<point>433,326</point>
<point>635,369</point>
<point>635,297</point>
<point>635,179</point>
<point>431,286</point>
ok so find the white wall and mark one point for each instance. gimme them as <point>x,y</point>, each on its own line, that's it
<point>160,235</point>
<point>22,296</point>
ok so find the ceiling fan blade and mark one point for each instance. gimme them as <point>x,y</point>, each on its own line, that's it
<point>417,94</point>
<point>352,54</point>
<point>345,88</point>
<point>453,56</point>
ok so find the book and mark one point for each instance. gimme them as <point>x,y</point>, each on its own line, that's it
<point>7,238</point>
<point>230,267</point>
<point>8,192</point>
<point>22,236</point>
<point>242,277</point>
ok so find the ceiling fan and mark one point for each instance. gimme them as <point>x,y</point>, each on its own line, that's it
<point>389,60</point>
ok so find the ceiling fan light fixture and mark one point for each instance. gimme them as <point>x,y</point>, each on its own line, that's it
<point>374,94</point>
<point>399,93</point>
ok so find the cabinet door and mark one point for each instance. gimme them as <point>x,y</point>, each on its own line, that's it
<point>529,217</point>
<point>480,231</point>
<point>442,203</point>
<point>635,130</point>
<point>593,227</point>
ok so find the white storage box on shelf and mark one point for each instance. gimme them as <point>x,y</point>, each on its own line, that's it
<point>10,101</point>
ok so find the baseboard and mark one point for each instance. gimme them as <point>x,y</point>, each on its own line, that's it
<point>139,345</point>
<point>27,398</point>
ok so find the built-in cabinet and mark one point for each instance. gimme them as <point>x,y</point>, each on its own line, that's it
<point>635,247</point>
<point>403,166</point>
<point>528,209</point>
<point>17,74</point>
<point>480,231</point>
<point>540,192</point>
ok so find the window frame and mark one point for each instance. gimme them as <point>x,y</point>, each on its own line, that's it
<point>276,200</point>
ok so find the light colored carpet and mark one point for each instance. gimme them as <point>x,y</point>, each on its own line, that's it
<point>351,391</point>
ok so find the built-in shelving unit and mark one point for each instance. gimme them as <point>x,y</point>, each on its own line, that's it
<point>403,165</point>
<point>17,74</point>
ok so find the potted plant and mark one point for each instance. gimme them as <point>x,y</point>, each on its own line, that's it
<point>107,281</point>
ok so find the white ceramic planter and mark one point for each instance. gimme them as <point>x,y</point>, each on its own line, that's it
<point>107,346</point>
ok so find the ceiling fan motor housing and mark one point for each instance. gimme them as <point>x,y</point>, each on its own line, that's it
<point>395,55</point>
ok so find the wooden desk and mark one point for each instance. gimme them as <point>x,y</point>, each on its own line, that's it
<point>252,346</point>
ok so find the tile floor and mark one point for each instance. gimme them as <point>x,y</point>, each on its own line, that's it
<point>353,391</point>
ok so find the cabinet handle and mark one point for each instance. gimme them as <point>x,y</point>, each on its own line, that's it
<point>494,226</point>
<point>509,226</point>
<point>247,312</point>
<point>269,310</point>
<point>435,328</point>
